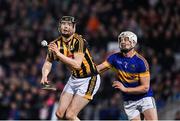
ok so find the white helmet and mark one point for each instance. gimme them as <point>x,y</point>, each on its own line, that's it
<point>132,37</point>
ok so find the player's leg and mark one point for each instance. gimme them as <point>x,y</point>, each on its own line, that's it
<point>64,101</point>
<point>149,109</point>
<point>131,110</point>
<point>133,115</point>
<point>77,104</point>
<point>137,118</point>
<point>150,114</point>
<point>85,92</point>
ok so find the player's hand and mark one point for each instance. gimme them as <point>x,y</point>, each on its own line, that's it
<point>46,85</point>
<point>44,80</point>
<point>119,85</point>
<point>53,47</point>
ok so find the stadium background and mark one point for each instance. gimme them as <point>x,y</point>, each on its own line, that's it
<point>25,23</point>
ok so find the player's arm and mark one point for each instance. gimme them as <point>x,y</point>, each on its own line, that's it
<point>144,78</point>
<point>72,62</point>
<point>143,88</point>
<point>103,67</point>
<point>45,70</point>
<point>75,62</point>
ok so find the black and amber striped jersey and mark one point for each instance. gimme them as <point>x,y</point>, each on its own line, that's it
<point>74,45</point>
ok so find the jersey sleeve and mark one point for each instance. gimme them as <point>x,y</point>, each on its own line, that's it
<point>144,68</point>
<point>80,45</point>
<point>51,56</point>
<point>110,60</point>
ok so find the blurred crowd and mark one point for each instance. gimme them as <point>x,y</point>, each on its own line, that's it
<point>25,23</point>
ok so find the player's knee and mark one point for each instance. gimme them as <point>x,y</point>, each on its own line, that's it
<point>70,115</point>
<point>151,114</point>
<point>59,114</point>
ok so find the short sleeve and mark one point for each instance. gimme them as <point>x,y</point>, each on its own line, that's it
<point>143,68</point>
<point>52,56</point>
<point>110,60</point>
<point>80,46</point>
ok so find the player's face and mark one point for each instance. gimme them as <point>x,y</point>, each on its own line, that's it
<point>66,28</point>
<point>124,43</point>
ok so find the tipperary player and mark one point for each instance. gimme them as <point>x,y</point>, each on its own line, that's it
<point>71,49</point>
<point>133,78</point>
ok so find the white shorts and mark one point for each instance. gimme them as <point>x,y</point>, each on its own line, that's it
<point>134,108</point>
<point>85,87</point>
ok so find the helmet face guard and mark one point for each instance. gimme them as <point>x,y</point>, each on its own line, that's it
<point>131,37</point>
<point>70,19</point>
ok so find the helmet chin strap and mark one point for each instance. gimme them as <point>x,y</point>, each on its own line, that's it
<point>126,50</point>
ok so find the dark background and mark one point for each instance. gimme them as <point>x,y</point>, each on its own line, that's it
<point>25,23</point>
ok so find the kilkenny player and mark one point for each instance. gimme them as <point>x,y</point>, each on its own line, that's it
<point>71,49</point>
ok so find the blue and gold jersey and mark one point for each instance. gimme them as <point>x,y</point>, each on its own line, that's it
<point>129,70</point>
